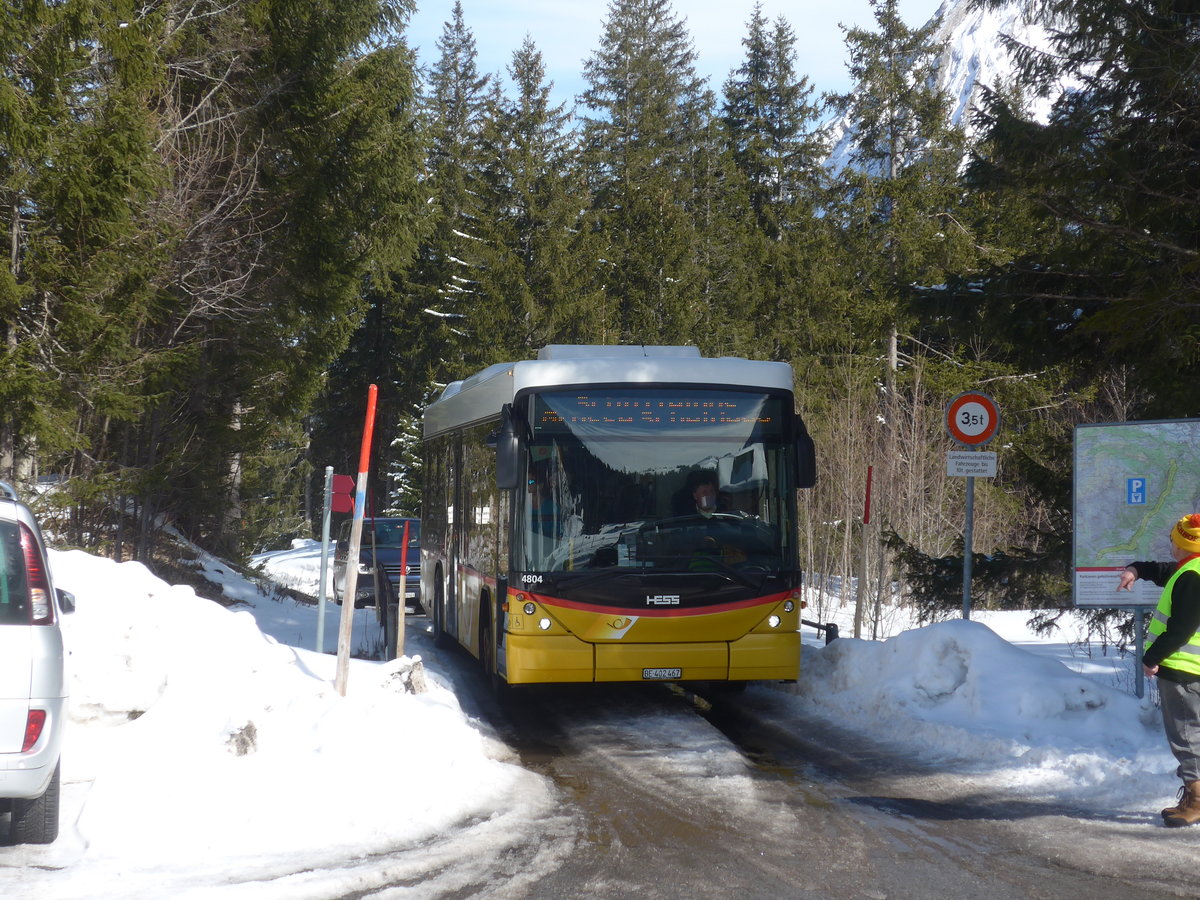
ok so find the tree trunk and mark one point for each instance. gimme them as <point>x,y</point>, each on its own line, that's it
<point>231,518</point>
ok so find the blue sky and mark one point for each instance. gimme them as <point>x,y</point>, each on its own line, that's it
<point>568,31</point>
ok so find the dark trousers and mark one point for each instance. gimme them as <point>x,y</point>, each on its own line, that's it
<point>1181,720</point>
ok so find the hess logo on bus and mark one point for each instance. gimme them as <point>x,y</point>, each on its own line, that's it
<point>663,600</point>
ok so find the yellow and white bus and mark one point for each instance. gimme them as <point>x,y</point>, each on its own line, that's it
<point>617,513</point>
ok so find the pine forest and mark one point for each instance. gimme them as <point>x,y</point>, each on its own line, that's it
<point>223,219</point>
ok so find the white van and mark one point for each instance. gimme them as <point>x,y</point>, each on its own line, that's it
<point>33,688</point>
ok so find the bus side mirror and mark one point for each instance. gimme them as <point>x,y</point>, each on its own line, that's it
<point>806,461</point>
<point>507,456</point>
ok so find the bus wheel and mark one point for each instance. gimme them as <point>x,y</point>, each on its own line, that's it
<point>487,639</point>
<point>438,614</point>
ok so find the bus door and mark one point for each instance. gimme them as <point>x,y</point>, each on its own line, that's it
<point>454,536</point>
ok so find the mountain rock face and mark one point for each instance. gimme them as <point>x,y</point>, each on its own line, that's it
<point>974,57</point>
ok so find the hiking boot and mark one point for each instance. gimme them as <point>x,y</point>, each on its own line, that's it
<point>1188,812</point>
<point>1174,810</point>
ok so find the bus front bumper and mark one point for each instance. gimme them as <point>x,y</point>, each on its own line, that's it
<point>539,659</point>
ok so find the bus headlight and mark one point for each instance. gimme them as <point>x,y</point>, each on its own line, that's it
<point>788,606</point>
<point>530,609</point>
<point>773,620</point>
<point>544,624</point>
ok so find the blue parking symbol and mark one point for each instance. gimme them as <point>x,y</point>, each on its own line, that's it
<point>1135,491</point>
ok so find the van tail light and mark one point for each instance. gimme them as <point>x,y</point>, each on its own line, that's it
<point>41,610</point>
<point>34,724</point>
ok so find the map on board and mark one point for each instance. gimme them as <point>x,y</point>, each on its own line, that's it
<point>1133,481</point>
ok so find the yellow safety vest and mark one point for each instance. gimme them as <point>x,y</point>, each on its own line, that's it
<point>1187,657</point>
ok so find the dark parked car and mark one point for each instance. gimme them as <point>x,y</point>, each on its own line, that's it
<point>380,546</point>
<point>33,687</point>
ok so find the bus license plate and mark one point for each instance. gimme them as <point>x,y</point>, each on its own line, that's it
<point>661,674</point>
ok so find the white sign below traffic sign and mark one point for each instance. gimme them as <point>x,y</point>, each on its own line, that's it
<point>971,463</point>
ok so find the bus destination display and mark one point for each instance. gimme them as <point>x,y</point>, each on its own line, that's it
<point>655,411</point>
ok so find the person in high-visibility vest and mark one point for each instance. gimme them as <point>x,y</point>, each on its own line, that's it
<point>1172,653</point>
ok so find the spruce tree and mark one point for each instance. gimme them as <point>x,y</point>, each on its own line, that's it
<point>899,194</point>
<point>900,229</point>
<point>415,330</point>
<point>731,318</point>
<point>198,195</point>
<point>442,285</point>
<point>1110,180</point>
<point>1089,216</point>
<point>329,105</point>
<point>646,114</point>
<point>538,276</point>
<point>771,123</point>
<point>84,248</point>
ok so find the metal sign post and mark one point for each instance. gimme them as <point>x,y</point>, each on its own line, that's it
<point>972,420</point>
<point>968,548</point>
<point>326,507</point>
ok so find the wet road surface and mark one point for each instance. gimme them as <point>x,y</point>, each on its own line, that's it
<point>665,794</point>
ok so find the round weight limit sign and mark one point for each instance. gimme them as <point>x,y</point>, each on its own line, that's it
<point>972,419</point>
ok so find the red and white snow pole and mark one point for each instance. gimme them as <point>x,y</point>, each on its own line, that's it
<point>400,623</point>
<point>351,588</point>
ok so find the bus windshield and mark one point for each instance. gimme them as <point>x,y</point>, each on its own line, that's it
<point>657,479</point>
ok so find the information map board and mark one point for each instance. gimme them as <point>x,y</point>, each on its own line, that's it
<point>1133,481</point>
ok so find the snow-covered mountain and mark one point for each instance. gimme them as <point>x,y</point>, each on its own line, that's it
<point>975,57</point>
